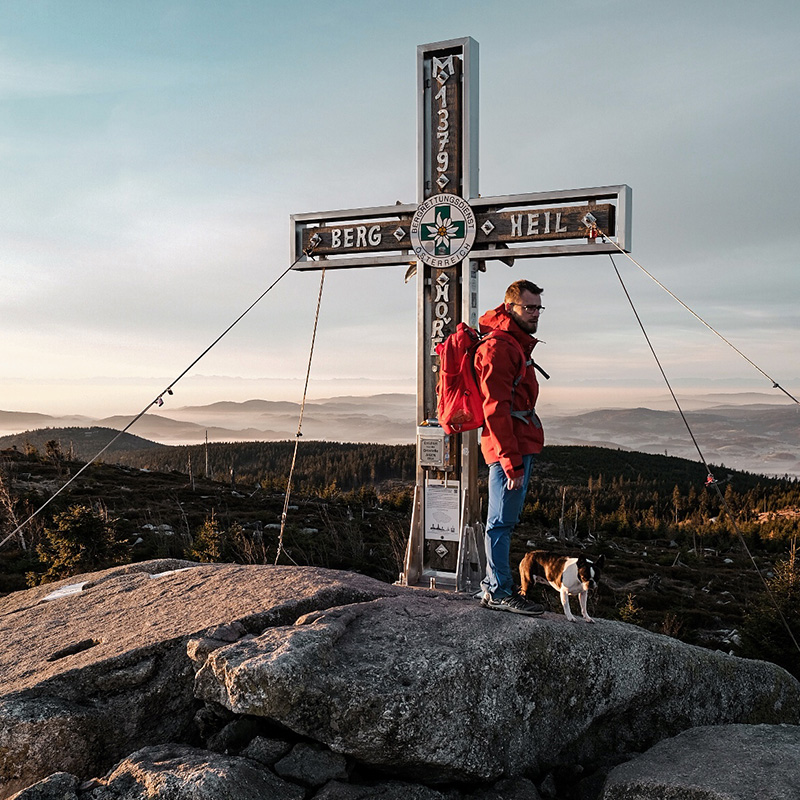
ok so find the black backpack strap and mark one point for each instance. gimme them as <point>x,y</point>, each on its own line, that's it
<point>537,367</point>
<point>528,417</point>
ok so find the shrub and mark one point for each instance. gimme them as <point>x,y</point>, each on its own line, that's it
<point>81,539</point>
<point>771,630</point>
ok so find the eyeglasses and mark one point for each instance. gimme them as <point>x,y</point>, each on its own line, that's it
<point>529,309</point>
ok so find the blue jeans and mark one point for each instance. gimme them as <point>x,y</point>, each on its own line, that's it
<point>505,507</point>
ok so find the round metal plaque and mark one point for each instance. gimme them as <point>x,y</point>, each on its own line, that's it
<point>443,230</point>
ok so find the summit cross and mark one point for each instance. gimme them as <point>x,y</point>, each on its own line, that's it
<point>448,236</point>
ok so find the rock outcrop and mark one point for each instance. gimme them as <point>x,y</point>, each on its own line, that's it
<point>156,679</point>
<point>173,771</point>
<point>505,694</point>
<point>101,669</point>
<point>748,761</point>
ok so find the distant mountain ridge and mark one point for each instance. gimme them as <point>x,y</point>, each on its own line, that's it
<point>14,420</point>
<point>756,437</point>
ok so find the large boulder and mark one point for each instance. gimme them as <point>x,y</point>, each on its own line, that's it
<point>174,772</point>
<point>439,689</point>
<point>721,762</point>
<point>338,684</point>
<point>96,666</point>
<point>58,786</point>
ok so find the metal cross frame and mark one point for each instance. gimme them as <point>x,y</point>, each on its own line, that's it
<point>448,235</point>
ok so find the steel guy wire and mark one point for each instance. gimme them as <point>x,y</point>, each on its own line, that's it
<point>157,401</point>
<point>775,384</point>
<point>658,362</point>
<point>299,426</point>
<point>711,481</point>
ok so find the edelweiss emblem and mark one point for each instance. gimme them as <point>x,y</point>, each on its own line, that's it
<point>443,230</point>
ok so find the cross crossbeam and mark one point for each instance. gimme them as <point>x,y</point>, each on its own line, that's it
<point>526,224</point>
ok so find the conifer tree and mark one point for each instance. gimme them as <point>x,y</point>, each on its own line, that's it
<point>81,539</point>
<point>764,632</point>
<point>209,544</point>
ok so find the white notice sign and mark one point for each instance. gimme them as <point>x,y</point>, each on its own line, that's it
<point>441,512</point>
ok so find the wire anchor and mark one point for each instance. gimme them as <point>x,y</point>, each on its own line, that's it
<point>313,243</point>
<point>590,222</point>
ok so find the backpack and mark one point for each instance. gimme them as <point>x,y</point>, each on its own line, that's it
<point>460,404</point>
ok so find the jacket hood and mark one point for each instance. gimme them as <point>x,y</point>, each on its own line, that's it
<point>499,319</point>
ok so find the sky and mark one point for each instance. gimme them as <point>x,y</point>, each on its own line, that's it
<point>151,154</point>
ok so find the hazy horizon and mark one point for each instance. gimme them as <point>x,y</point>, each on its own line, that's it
<point>752,431</point>
<point>100,398</point>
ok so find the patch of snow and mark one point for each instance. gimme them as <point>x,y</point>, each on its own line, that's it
<point>66,591</point>
<point>170,572</point>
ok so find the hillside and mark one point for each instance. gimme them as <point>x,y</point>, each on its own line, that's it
<point>79,444</point>
<point>351,465</point>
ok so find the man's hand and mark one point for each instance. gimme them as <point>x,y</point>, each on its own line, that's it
<point>512,484</point>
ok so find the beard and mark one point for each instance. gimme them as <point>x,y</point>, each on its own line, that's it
<point>528,325</point>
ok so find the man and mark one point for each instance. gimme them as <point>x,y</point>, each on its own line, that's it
<point>512,432</point>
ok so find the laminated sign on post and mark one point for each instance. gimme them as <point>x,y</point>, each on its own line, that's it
<point>441,511</point>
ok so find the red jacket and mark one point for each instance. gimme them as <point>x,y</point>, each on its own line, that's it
<point>497,363</point>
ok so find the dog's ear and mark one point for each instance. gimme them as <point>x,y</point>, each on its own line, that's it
<point>600,561</point>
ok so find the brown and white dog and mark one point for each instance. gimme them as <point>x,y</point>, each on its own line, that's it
<point>568,576</point>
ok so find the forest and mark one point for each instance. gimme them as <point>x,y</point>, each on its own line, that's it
<point>590,488</point>
<point>697,557</point>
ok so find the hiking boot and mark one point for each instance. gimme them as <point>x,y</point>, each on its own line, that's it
<point>516,603</point>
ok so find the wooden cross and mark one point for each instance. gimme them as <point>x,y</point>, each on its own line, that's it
<point>448,236</point>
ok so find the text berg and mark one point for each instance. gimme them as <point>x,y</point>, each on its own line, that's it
<point>360,236</point>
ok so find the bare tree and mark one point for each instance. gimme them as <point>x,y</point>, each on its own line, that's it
<point>7,504</point>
